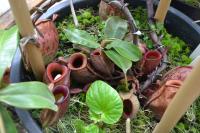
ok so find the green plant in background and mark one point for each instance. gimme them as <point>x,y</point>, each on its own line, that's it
<point>178,51</point>
<point>105,105</point>
<point>194,3</point>
<point>22,95</point>
<point>121,52</point>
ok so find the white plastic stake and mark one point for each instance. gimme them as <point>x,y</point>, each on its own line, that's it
<point>73,13</point>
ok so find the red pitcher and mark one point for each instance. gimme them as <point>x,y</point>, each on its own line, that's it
<point>78,63</point>
<point>150,61</point>
<point>62,96</point>
<point>57,74</point>
<point>101,63</point>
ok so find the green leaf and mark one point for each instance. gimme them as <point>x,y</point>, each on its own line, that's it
<point>95,117</point>
<point>115,28</point>
<point>82,37</point>
<point>28,95</point>
<point>92,128</point>
<point>82,128</point>
<point>126,49</point>
<point>6,123</point>
<point>119,60</point>
<point>8,44</point>
<point>79,126</point>
<point>104,101</point>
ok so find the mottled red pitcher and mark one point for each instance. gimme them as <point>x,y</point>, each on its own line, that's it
<point>78,63</point>
<point>57,74</point>
<point>159,101</point>
<point>62,96</point>
<point>178,73</point>
<point>47,40</point>
<point>106,10</point>
<point>168,86</point>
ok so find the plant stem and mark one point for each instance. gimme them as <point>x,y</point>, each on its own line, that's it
<point>154,75</point>
<point>153,36</point>
<point>150,12</point>
<point>126,82</point>
<point>106,41</point>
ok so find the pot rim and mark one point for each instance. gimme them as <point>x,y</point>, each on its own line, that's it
<point>73,57</point>
<point>17,68</point>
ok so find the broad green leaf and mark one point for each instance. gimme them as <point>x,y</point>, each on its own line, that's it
<point>119,60</point>
<point>104,101</point>
<point>115,28</point>
<point>8,44</point>
<point>94,117</point>
<point>28,95</point>
<point>6,123</point>
<point>92,128</point>
<point>126,49</point>
<point>79,126</point>
<point>82,37</point>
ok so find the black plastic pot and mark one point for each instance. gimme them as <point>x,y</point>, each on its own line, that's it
<point>191,11</point>
<point>176,23</point>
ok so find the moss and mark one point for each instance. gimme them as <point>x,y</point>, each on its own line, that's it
<point>87,21</point>
<point>178,50</point>
<point>194,3</point>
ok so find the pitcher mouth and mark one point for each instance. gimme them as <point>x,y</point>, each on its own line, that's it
<point>55,69</point>
<point>77,61</point>
<point>96,52</point>
<point>61,93</point>
<point>128,107</point>
<point>152,55</point>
